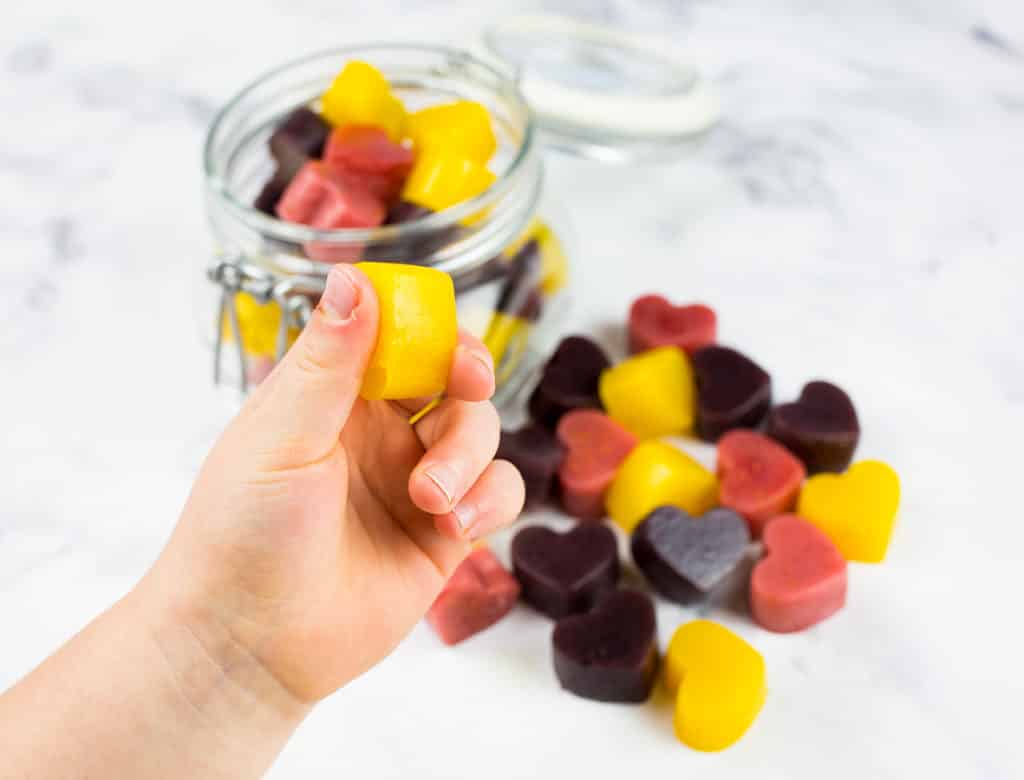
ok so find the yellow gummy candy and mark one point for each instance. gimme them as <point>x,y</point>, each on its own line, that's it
<point>505,339</point>
<point>554,266</point>
<point>857,510</point>
<point>463,126</point>
<point>651,394</point>
<point>259,323</point>
<point>657,474</point>
<point>417,332</point>
<point>441,178</point>
<point>719,683</point>
<point>360,95</point>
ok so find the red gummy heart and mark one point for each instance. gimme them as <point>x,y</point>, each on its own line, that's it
<point>367,157</point>
<point>656,322</point>
<point>320,197</point>
<point>595,447</point>
<point>479,594</point>
<point>759,477</point>
<point>800,581</point>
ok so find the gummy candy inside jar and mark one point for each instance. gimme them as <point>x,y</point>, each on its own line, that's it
<point>405,154</point>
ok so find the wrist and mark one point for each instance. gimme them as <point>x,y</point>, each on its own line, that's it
<point>214,684</point>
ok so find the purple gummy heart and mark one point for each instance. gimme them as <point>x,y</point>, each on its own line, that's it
<point>537,454</point>
<point>299,138</point>
<point>569,381</point>
<point>271,193</point>
<point>565,573</point>
<point>732,391</point>
<point>820,427</point>
<point>611,653</point>
<point>685,558</point>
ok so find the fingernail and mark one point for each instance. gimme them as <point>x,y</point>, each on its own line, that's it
<point>341,295</point>
<point>485,359</point>
<point>464,515</point>
<point>446,479</point>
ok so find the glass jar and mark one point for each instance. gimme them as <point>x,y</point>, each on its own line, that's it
<point>503,249</point>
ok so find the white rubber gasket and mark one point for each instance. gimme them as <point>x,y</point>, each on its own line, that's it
<point>642,116</point>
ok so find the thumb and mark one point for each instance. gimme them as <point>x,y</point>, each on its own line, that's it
<point>297,415</point>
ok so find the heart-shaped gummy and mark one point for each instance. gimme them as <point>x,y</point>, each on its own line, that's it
<point>758,477</point>
<point>569,380</point>
<point>655,322</point>
<point>683,557</point>
<point>537,454</point>
<point>732,391</point>
<point>369,159</point>
<point>565,573</point>
<point>595,447</point>
<point>800,581</point>
<point>298,139</point>
<point>478,594</point>
<point>611,653</point>
<point>718,681</point>
<point>820,427</point>
<point>856,509</point>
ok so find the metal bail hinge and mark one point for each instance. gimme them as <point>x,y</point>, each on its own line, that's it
<point>296,295</point>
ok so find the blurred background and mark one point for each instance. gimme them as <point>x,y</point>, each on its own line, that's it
<point>855,215</point>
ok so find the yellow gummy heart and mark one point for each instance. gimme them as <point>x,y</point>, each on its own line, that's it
<point>361,95</point>
<point>651,394</point>
<point>857,509</point>
<point>718,681</point>
<point>443,177</point>
<point>657,474</point>
<point>463,125</point>
<point>416,334</point>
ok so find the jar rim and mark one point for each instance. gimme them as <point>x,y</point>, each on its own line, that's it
<point>282,230</point>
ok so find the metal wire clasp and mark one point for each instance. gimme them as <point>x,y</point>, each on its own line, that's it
<point>295,294</point>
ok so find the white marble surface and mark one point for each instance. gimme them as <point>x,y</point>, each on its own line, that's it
<point>858,216</point>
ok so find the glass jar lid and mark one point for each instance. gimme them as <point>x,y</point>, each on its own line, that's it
<point>601,93</point>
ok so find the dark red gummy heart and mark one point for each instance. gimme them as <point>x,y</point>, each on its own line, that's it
<point>732,391</point>
<point>685,558</point>
<point>268,197</point>
<point>565,573</point>
<point>611,653</point>
<point>820,427</point>
<point>537,454</point>
<point>299,138</point>
<point>655,322</point>
<point>415,249</point>
<point>569,380</point>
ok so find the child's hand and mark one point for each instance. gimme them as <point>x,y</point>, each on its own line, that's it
<point>322,526</point>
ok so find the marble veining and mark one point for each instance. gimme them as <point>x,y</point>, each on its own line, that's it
<point>856,216</point>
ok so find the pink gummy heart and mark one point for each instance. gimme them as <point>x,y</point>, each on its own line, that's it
<point>322,198</point>
<point>479,594</point>
<point>800,581</point>
<point>368,158</point>
<point>656,322</point>
<point>596,445</point>
<point>759,478</point>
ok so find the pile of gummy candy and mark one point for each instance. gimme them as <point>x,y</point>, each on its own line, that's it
<point>364,161</point>
<point>595,444</point>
